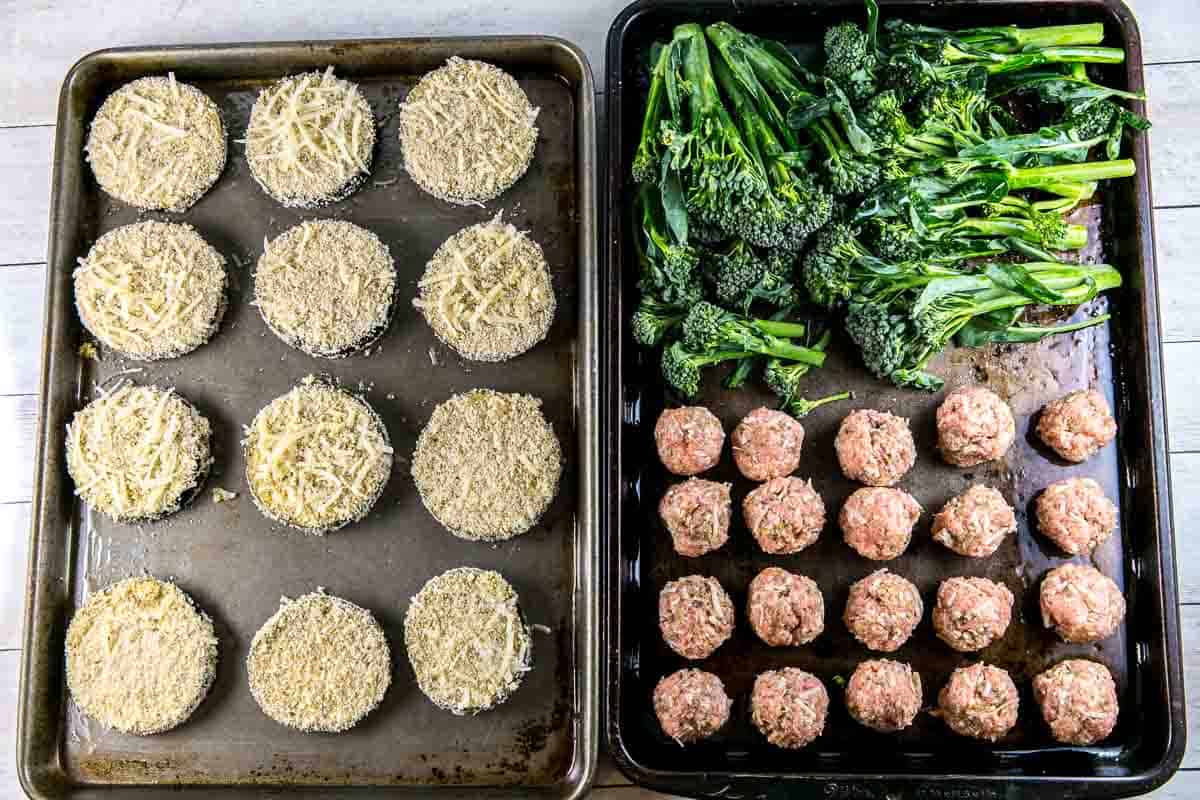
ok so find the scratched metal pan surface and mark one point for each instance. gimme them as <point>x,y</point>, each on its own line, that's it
<point>1122,360</point>
<point>236,564</point>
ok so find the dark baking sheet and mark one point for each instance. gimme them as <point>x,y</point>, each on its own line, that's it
<point>230,558</point>
<point>1121,360</point>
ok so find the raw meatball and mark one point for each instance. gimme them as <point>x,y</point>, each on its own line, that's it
<point>766,444</point>
<point>979,701</point>
<point>696,512</point>
<point>1081,604</point>
<point>974,426</point>
<point>691,705</point>
<point>975,523</point>
<point>883,610</point>
<point>1077,425</point>
<point>785,515</point>
<point>689,439</point>
<point>878,523</point>
<point>1078,699</point>
<point>784,608</point>
<point>788,706</point>
<point>875,447</point>
<point>971,613</point>
<point>1075,515</point>
<point>884,695</point>
<point>695,615</point>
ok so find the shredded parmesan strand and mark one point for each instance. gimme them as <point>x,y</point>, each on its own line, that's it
<point>317,458</point>
<point>310,138</point>
<point>135,452</point>
<point>467,132</point>
<point>157,144</point>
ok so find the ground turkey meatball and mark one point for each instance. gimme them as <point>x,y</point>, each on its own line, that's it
<point>785,515</point>
<point>766,444</point>
<point>695,615</point>
<point>691,705</point>
<point>1081,604</point>
<point>884,695</point>
<point>1075,515</point>
<point>971,613</point>
<point>1077,425</point>
<point>883,610</point>
<point>878,523</point>
<point>696,512</point>
<point>979,701</point>
<point>1078,699</point>
<point>689,439</point>
<point>784,608</point>
<point>974,426</point>
<point>875,447</point>
<point>975,523</point>
<point>788,706</point>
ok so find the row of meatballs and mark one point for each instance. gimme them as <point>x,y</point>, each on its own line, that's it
<point>696,615</point>
<point>785,514</point>
<point>1077,698</point>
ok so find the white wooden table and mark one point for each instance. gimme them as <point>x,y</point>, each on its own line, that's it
<point>40,39</point>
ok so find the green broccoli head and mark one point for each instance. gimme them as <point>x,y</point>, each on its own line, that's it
<point>827,266</point>
<point>893,241</point>
<point>850,60</point>
<point>681,370</point>
<point>884,339</point>
<point>653,320</point>
<point>850,174</point>
<point>883,119</point>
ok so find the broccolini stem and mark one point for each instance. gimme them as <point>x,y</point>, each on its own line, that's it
<point>1010,38</point>
<point>646,159</point>
<point>1056,55</point>
<point>800,407</point>
<point>1045,177</point>
<point>787,330</point>
<point>782,348</point>
<point>1075,237</point>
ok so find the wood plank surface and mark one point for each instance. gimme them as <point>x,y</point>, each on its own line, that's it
<point>42,40</point>
<point>25,156</point>
<point>1173,94</point>
<point>1177,234</point>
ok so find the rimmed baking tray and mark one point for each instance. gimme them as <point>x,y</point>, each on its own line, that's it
<point>1122,360</point>
<point>229,557</point>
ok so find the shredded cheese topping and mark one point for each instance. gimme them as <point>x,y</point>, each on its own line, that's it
<point>467,132</point>
<point>310,139</point>
<point>320,663</point>
<point>140,657</point>
<point>487,292</point>
<point>326,286</point>
<point>157,144</point>
<point>487,465</point>
<point>467,642</point>
<point>136,451</point>
<point>151,290</point>
<point>317,458</point>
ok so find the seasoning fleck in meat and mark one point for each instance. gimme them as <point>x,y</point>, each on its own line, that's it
<point>883,610</point>
<point>1081,604</point>
<point>785,515</point>
<point>1075,515</point>
<point>766,444</point>
<point>785,609</point>
<point>696,513</point>
<point>691,705</point>
<point>974,426</point>
<point>875,447</point>
<point>971,613</point>
<point>1077,425</point>
<point>788,706</point>
<point>975,523</point>
<point>884,695</point>
<point>695,615</point>
<point>1078,699</point>
<point>689,439</point>
<point>979,701</point>
<point>878,522</point>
